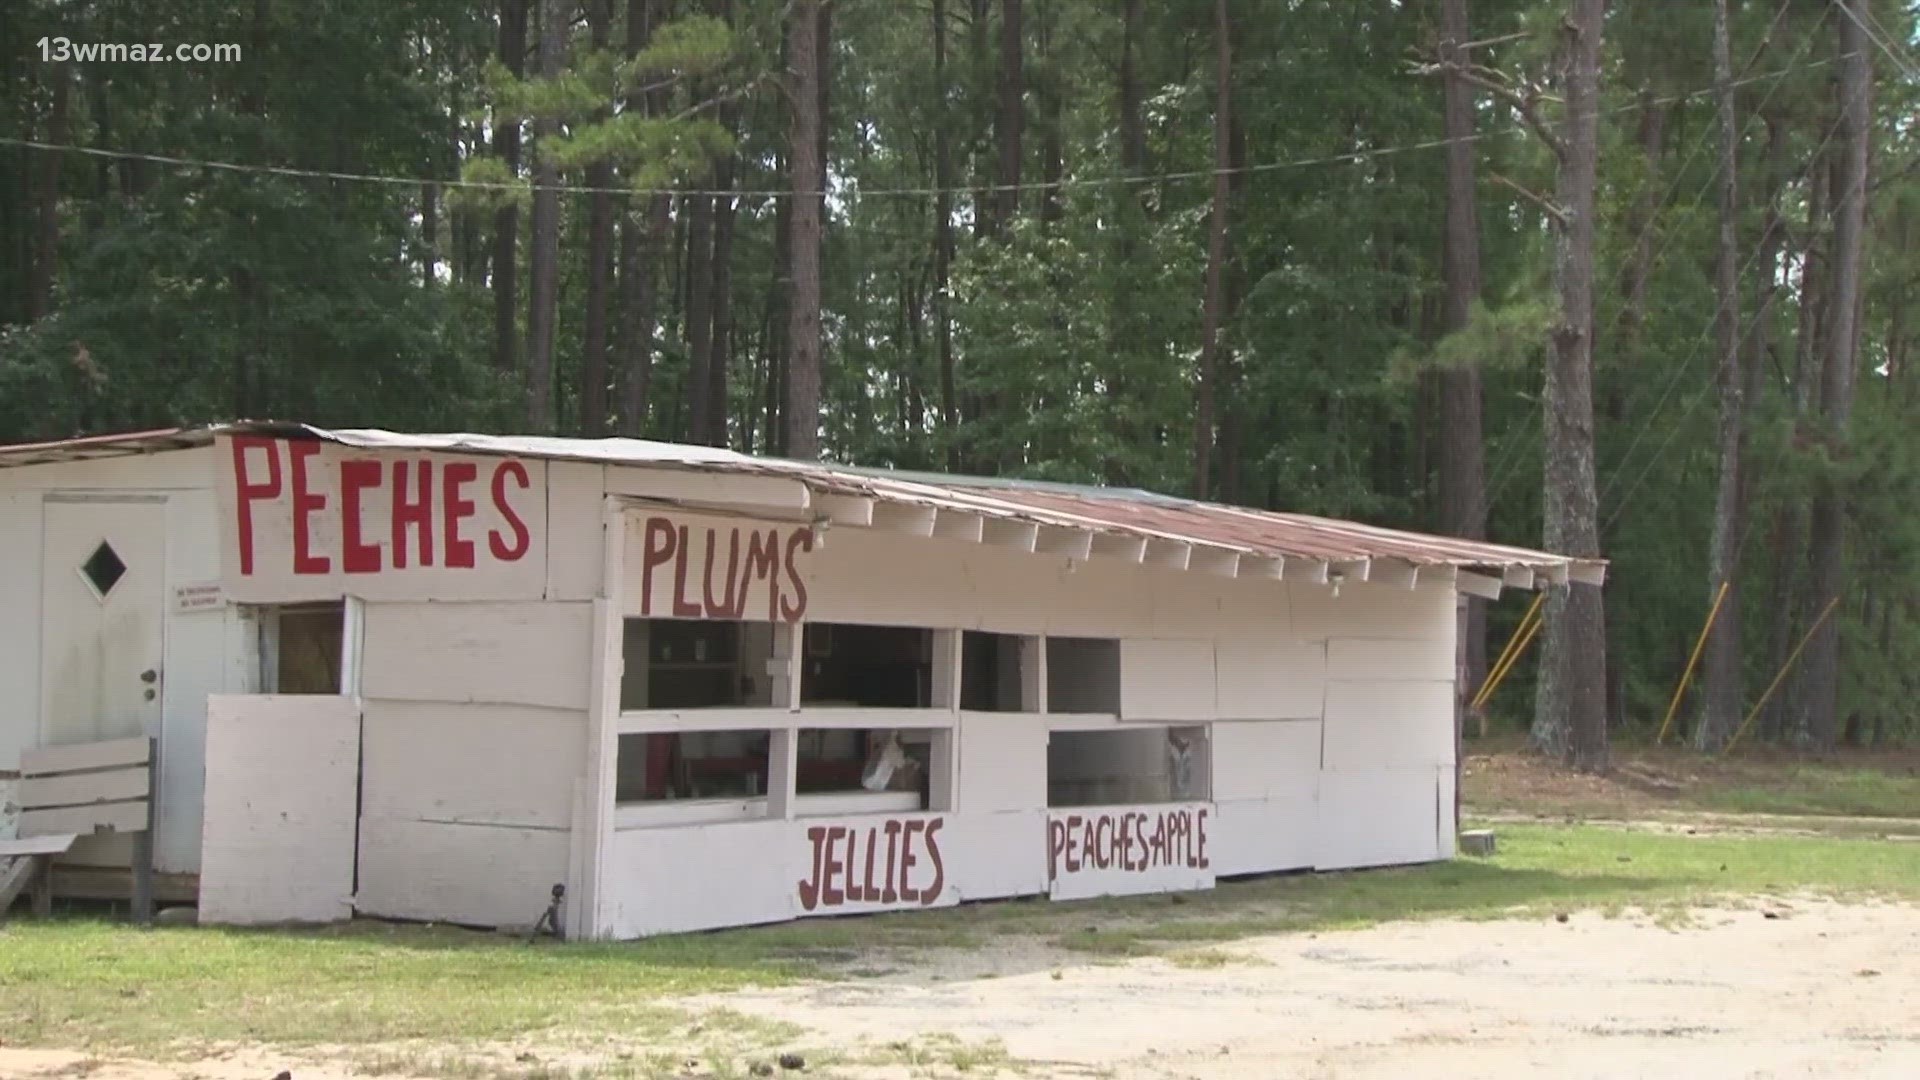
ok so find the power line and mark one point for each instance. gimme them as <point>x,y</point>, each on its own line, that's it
<point>1348,157</point>
<point>1905,66</point>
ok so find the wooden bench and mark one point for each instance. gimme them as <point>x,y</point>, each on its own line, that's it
<point>67,792</point>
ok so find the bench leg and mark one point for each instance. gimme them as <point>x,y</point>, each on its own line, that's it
<point>143,878</point>
<point>43,886</point>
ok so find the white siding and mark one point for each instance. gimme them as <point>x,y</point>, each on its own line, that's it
<point>1266,679</point>
<point>1167,679</point>
<point>1003,763</point>
<point>480,875</point>
<point>19,637</point>
<point>574,541</point>
<point>1381,817</point>
<point>1376,725</point>
<point>506,653</point>
<point>473,764</point>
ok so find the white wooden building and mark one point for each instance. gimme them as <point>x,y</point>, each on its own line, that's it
<point>434,676</point>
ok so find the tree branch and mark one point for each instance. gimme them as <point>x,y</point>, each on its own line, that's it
<point>1553,210</point>
<point>1527,105</point>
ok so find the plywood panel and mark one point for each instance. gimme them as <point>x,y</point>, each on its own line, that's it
<point>103,817</point>
<point>1379,817</point>
<point>1381,659</point>
<point>478,875</point>
<point>1003,762</point>
<point>662,881</point>
<point>1128,850</point>
<point>1270,679</point>
<point>476,764</point>
<point>1167,679</point>
<point>279,817</point>
<point>575,546</point>
<point>998,855</point>
<point>1389,724</point>
<point>1370,609</point>
<point>508,653</point>
<point>1265,759</point>
<point>1260,836</point>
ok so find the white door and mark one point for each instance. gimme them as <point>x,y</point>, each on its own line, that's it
<point>103,589</point>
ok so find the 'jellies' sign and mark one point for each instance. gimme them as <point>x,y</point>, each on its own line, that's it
<point>306,519</point>
<point>691,567</point>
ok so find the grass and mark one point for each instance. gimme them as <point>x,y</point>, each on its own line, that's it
<point>106,987</point>
<point>1823,790</point>
<point>1664,782</point>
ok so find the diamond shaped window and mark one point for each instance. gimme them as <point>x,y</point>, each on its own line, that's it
<point>104,569</point>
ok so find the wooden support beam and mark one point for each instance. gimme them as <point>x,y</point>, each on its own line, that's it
<point>1314,573</point>
<point>1073,543</point>
<point>1394,572</point>
<point>906,518</point>
<point>1171,554</point>
<point>1124,548</point>
<point>1557,574</point>
<point>1221,562</point>
<point>1350,571</point>
<point>1481,585</point>
<point>1520,577</point>
<point>959,525</point>
<point>1004,532</point>
<point>844,509</point>
<point>1271,567</point>
<point>1594,574</point>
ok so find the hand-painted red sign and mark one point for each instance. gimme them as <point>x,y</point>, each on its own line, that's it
<point>897,862</point>
<point>371,514</point>
<point>1126,839</point>
<point>716,569</point>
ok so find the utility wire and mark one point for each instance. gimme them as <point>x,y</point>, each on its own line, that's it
<point>854,192</point>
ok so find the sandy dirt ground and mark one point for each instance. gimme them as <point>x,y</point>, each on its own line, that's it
<point>1823,990</point>
<point>1820,990</point>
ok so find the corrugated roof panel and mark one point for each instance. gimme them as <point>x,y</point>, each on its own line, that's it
<point>1122,511</point>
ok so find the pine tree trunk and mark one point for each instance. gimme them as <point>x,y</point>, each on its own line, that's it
<point>506,220</point>
<point>593,361</point>
<point>640,242</point>
<point>46,243</point>
<point>1828,535</point>
<point>1011,84</point>
<point>556,19</point>
<point>1133,126</point>
<point>1211,314</point>
<point>803,333</point>
<point>943,238</point>
<point>1571,710</point>
<point>698,322</point>
<point>1052,119</point>
<point>720,339</point>
<point>1463,500</point>
<point>1722,675</point>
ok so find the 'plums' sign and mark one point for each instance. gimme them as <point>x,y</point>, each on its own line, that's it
<point>306,519</point>
<point>692,567</point>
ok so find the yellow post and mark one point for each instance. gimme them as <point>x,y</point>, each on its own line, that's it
<point>1784,668</point>
<point>1506,654</point>
<point>1494,680</point>
<point>1687,676</point>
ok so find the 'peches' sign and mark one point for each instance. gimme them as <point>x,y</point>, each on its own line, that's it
<point>692,567</point>
<point>1117,850</point>
<point>307,519</point>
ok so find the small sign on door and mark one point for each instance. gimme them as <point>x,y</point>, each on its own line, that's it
<point>206,596</point>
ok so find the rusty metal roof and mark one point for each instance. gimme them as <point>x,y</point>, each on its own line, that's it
<point>1231,533</point>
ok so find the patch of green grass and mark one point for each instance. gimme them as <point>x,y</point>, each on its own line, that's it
<point>1822,790</point>
<point>92,985</point>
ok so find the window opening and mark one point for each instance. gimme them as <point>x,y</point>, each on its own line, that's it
<point>1083,675</point>
<point>103,569</point>
<point>879,667</point>
<point>1129,766</point>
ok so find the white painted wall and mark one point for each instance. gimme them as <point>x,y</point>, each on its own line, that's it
<point>203,652</point>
